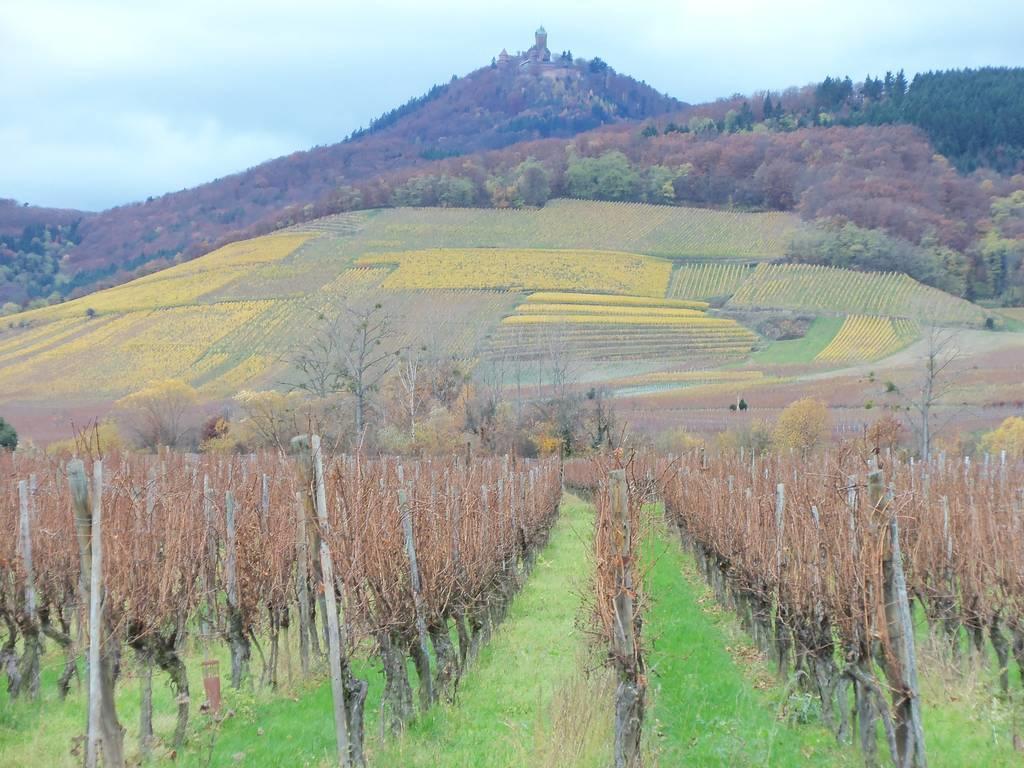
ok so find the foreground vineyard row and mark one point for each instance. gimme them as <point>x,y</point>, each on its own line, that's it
<point>822,568</point>
<point>414,555</point>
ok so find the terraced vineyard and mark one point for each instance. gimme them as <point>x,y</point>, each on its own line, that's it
<point>519,270</point>
<point>828,289</point>
<point>705,281</point>
<point>535,300</point>
<point>864,337</point>
<point>594,328</point>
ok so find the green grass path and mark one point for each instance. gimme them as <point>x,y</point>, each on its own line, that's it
<point>804,349</point>
<point>533,655</point>
<point>706,710</point>
<point>495,721</point>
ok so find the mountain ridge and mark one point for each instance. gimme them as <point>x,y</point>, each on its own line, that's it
<point>491,107</point>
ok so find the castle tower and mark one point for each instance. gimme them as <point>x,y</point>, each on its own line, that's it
<point>540,51</point>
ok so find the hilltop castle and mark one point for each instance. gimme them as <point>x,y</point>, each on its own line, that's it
<point>537,55</point>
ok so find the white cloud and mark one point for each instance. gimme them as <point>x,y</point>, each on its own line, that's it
<point>129,156</point>
<point>107,101</point>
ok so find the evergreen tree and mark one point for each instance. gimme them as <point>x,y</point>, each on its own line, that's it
<point>899,88</point>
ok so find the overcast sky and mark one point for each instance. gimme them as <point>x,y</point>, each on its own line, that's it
<point>104,102</point>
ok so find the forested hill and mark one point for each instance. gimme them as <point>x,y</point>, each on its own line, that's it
<point>507,135</point>
<point>975,117</point>
<point>492,107</point>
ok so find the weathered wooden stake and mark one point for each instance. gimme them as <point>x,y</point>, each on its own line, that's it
<point>104,732</point>
<point>301,583</point>
<point>423,661</point>
<point>901,669</point>
<point>32,647</point>
<point>311,460</point>
<point>95,623</point>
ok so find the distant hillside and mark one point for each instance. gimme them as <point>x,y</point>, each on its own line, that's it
<point>447,277</point>
<point>16,217</point>
<point>609,284</point>
<point>492,107</point>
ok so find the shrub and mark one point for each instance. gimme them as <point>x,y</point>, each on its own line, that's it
<point>1008,436</point>
<point>802,426</point>
<point>8,436</point>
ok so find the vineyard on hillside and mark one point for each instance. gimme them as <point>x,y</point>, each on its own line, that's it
<point>182,285</point>
<point>656,230</point>
<point>828,289</point>
<point>119,352</point>
<point>523,270</point>
<point>865,337</point>
<point>705,281</point>
<point>592,329</point>
<point>453,281</point>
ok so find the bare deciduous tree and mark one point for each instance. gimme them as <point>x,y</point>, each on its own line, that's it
<point>352,354</point>
<point>937,381</point>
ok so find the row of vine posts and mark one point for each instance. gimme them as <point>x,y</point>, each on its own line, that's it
<point>395,555</point>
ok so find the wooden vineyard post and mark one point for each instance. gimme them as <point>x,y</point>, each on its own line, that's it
<point>235,620</point>
<point>104,732</point>
<point>95,631</point>
<point>206,617</point>
<point>301,583</point>
<point>30,629</point>
<point>311,461</point>
<point>901,662</point>
<point>423,660</point>
<point>631,689</point>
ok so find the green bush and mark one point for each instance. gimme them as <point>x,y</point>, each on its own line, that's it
<point>8,437</point>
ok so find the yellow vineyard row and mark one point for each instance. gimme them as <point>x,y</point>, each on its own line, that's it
<point>552,297</point>
<point>535,308</point>
<point>699,321</point>
<point>863,337</point>
<point>522,269</point>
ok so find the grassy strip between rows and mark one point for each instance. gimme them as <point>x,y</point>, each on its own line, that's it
<point>517,705</point>
<point>717,703</point>
<point>714,703</point>
<point>524,697</point>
